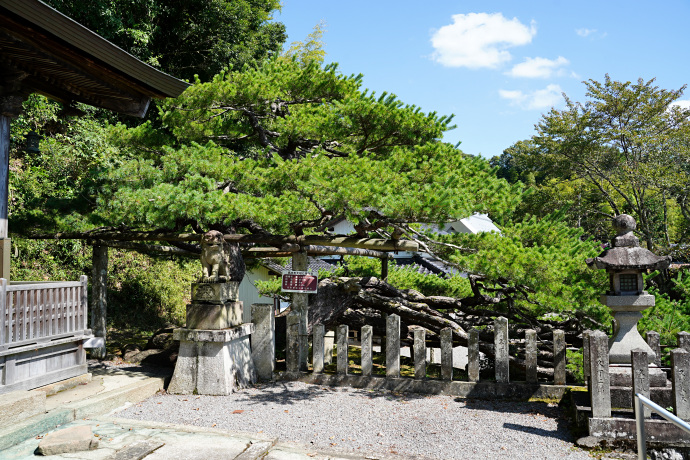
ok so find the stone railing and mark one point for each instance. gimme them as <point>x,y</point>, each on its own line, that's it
<point>263,351</point>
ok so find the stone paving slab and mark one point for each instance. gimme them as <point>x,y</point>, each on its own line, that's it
<point>122,439</point>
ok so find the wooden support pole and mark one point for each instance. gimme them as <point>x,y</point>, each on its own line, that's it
<point>4,173</point>
<point>4,196</point>
<point>300,303</point>
<point>99,297</point>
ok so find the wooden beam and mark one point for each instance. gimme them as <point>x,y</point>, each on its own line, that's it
<point>330,250</point>
<point>273,240</point>
<point>156,249</point>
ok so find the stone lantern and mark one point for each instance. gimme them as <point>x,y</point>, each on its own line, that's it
<point>625,262</point>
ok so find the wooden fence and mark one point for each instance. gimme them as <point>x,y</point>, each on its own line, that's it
<point>42,329</point>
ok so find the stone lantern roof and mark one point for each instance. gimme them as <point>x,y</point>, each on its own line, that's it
<point>626,253</point>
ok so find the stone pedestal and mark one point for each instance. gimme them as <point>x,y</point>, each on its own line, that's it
<point>215,355</point>
<point>621,376</point>
<point>215,293</point>
<point>626,311</point>
<point>213,362</point>
<point>214,316</point>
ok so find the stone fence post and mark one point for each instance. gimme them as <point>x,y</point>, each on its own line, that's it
<point>292,347</point>
<point>446,353</point>
<point>473,355</point>
<point>599,372</point>
<point>654,342</point>
<point>419,352</point>
<point>531,356</point>
<point>343,340</point>
<point>263,340</point>
<point>640,377</point>
<point>684,340</point>
<point>318,341</point>
<point>586,367</point>
<point>558,357</point>
<point>680,363</point>
<point>501,349</point>
<point>367,341</point>
<point>393,346</point>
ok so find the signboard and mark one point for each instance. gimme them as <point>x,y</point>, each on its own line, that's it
<point>303,282</point>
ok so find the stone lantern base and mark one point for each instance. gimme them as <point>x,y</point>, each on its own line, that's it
<point>627,311</point>
<point>620,375</point>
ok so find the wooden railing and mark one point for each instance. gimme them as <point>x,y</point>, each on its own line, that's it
<point>35,312</point>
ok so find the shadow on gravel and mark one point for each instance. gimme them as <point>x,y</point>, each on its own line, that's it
<point>558,434</point>
<point>285,393</point>
<point>535,409</point>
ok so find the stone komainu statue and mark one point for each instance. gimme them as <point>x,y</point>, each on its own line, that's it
<point>220,261</point>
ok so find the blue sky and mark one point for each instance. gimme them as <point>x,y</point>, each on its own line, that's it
<point>497,65</point>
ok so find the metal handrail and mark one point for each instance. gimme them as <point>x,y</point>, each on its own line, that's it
<point>640,402</point>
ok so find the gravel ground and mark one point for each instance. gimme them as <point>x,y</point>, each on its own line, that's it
<point>375,422</point>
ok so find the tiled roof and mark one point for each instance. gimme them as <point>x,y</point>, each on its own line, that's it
<point>314,265</point>
<point>427,266</point>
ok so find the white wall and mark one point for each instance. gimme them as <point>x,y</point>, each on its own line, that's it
<point>249,293</point>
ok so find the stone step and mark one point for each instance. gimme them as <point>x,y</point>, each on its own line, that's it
<point>19,405</point>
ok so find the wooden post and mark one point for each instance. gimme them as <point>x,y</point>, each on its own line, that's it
<point>4,196</point>
<point>384,268</point>
<point>4,173</point>
<point>99,297</point>
<point>300,303</point>
<point>3,314</point>
<point>586,368</point>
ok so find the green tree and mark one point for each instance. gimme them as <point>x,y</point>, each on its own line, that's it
<point>287,146</point>
<point>627,141</point>
<point>184,38</point>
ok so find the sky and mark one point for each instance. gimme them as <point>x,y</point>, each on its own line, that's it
<point>498,66</point>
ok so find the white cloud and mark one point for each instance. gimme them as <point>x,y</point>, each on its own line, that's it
<point>591,33</point>
<point>585,32</point>
<point>539,67</point>
<point>684,104</point>
<point>477,40</point>
<point>539,99</point>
